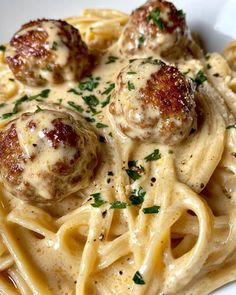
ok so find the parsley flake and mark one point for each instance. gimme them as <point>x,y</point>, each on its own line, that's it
<point>91,101</point>
<point>154,15</point>
<point>200,78</point>
<point>106,102</point>
<point>131,73</point>
<point>54,45</point>
<point>73,90</point>
<point>134,171</point>
<point>138,279</point>
<point>151,210</point>
<point>43,94</point>
<point>118,205</point>
<point>141,40</point>
<point>98,201</point>
<point>100,125</point>
<point>38,109</point>
<point>156,155</point>
<point>88,119</point>
<point>131,86</point>
<point>109,89</point>
<point>111,59</point>
<point>181,13</point>
<point>231,126</point>
<point>137,196</point>
<point>75,106</point>
<point>89,84</point>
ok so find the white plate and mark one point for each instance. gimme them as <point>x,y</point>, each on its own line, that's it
<point>214,20</point>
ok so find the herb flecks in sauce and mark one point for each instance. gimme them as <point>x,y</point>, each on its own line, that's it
<point>90,84</point>
<point>154,16</point>
<point>137,196</point>
<point>156,155</point>
<point>200,78</point>
<point>75,106</point>
<point>134,172</point>
<point>151,210</point>
<point>98,200</point>
<point>118,205</point>
<point>138,279</point>
<point>111,59</point>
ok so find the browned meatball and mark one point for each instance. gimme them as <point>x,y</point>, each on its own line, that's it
<point>156,26</point>
<point>153,101</point>
<point>45,51</point>
<point>47,155</point>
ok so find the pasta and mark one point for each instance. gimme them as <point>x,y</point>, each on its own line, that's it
<point>156,217</point>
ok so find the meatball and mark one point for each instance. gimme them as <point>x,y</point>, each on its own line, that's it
<point>45,51</point>
<point>46,155</point>
<point>156,26</point>
<point>154,102</point>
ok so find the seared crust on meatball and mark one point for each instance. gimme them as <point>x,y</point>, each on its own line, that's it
<point>45,51</point>
<point>47,155</point>
<point>153,101</point>
<point>156,26</point>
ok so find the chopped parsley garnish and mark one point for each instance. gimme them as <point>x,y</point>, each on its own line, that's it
<point>89,84</point>
<point>170,152</point>
<point>134,171</point>
<point>2,48</point>
<point>181,13</point>
<point>75,106</point>
<point>109,89</point>
<point>100,125</point>
<point>91,101</point>
<point>88,119</point>
<point>231,126</point>
<point>150,60</point>
<point>11,79</point>
<point>111,59</point>
<point>154,15</point>
<point>43,94</point>
<point>73,90</point>
<point>156,155</point>
<point>54,45</point>
<point>106,101</point>
<point>151,210</point>
<point>200,78</point>
<point>141,40</point>
<point>132,60</point>
<point>38,109</point>
<point>98,201</point>
<point>118,205</point>
<point>137,196</point>
<point>131,86</point>
<point>16,107</point>
<point>138,279</point>
<point>208,66</point>
<point>131,73</point>
<point>2,105</point>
